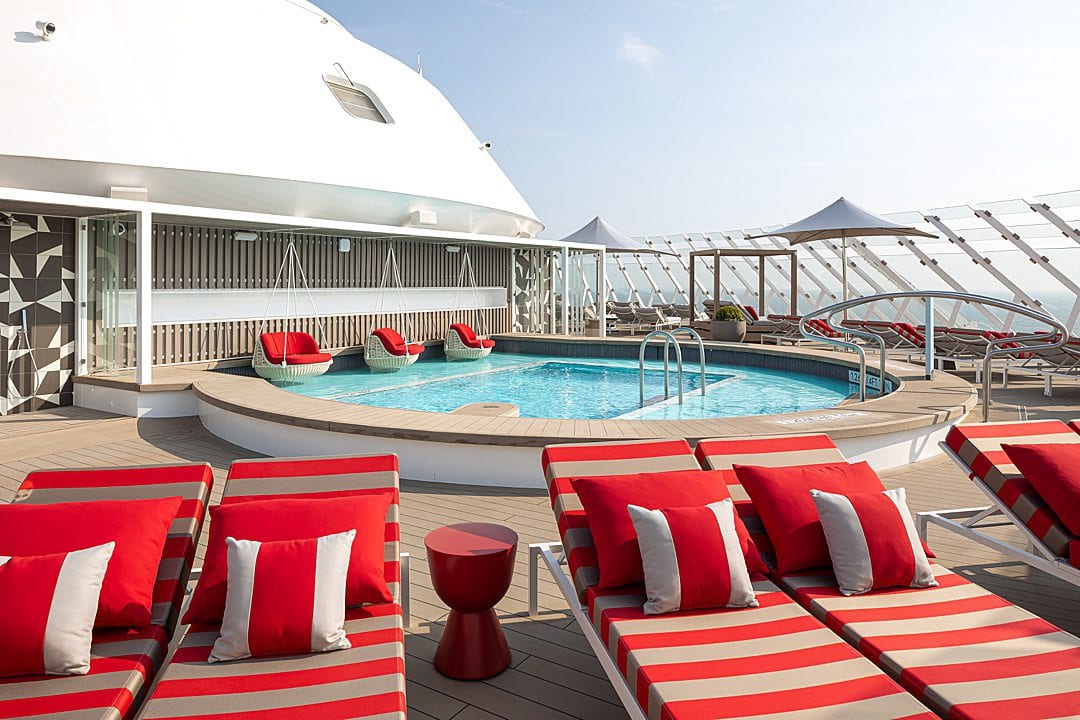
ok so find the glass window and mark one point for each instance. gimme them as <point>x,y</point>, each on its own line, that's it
<point>358,102</point>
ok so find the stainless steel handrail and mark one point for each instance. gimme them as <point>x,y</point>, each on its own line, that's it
<point>700,348</point>
<point>1057,337</point>
<point>669,339</point>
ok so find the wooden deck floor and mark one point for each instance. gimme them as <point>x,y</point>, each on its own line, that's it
<point>554,675</point>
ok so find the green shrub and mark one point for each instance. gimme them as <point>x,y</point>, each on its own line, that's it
<point>728,312</point>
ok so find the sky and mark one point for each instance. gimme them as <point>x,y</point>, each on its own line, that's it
<point>669,116</point>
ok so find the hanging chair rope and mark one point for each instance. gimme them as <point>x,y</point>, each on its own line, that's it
<point>391,274</point>
<point>291,259</point>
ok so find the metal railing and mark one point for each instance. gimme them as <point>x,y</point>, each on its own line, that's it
<point>700,348</point>
<point>1054,338</point>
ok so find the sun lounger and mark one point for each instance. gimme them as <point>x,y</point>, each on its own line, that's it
<point>123,662</point>
<point>959,648</point>
<point>772,661</point>
<point>977,450</point>
<point>366,681</point>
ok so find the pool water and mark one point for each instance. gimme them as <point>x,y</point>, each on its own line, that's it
<point>583,388</point>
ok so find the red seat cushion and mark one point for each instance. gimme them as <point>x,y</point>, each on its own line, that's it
<point>280,345</point>
<point>605,500</point>
<point>309,359</point>
<point>751,312</point>
<point>468,337</point>
<point>782,497</point>
<point>413,349</point>
<point>138,527</point>
<point>296,519</point>
<point>1053,469</point>
<point>392,341</point>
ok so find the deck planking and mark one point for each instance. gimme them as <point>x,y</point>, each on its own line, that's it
<point>553,674</point>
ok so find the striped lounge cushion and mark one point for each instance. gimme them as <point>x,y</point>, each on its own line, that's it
<point>783,451</point>
<point>563,462</point>
<point>122,662</point>
<point>365,681</point>
<point>979,447</point>
<point>965,652</point>
<point>771,661</point>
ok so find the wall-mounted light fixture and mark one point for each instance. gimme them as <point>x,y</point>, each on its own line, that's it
<point>422,217</point>
<point>453,248</point>
<point>344,245</point>
<point>245,235</point>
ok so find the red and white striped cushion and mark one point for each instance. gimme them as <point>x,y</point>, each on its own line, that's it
<point>771,662</point>
<point>964,651</point>
<point>979,447</point>
<point>872,541</point>
<point>563,462</point>
<point>286,596</point>
<point>692,558</point>
<point>47,608</point>
<point>783,451</point>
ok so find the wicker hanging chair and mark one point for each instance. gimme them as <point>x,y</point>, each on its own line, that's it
<point>386,350</point>
<point>289,355</point>
<point>462,342</point>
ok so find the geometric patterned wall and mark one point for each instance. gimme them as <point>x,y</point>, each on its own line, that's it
<point>37,275</point>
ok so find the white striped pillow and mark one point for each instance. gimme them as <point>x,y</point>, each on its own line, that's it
<point>47,608</point>
<point>284,597</point>
<point>872,541</point>
<point>692,558</point>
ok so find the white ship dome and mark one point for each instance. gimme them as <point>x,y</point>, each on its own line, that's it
<point>236,105</point>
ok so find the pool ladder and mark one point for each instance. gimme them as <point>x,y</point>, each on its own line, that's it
<point>669,340</point>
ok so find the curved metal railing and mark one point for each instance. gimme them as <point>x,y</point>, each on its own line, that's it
<point>669,340</point>
<point>700,348</point>
<point>1057,337</point>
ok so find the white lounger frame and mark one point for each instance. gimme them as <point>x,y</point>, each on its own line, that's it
<point>552,556</point>
<point>970,522</point>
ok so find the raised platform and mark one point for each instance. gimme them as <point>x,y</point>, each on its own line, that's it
<point>893,430</point>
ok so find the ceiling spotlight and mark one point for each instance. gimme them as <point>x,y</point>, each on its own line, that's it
<point>245,235</point>
<point>453,248</point>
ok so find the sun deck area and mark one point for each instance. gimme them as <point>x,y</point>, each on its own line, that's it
<point>553,674</point>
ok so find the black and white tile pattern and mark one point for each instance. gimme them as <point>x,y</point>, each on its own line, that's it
<point>37,292</point>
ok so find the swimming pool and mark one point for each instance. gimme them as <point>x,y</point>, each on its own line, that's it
<point>583,388</point>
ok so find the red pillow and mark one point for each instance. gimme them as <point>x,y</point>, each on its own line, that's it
<point>1053,469</point>
<point>138,527</point>
<point>296,519</point>
<point>605,500</point>
<point>782,498</point>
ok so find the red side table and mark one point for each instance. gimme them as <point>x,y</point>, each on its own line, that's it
<point>471,567</point>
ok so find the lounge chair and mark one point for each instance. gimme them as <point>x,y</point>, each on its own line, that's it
<point>463,344</point>
<point>626,320</point>
<point>977,450</point>
<point>288,356</point>
<point>123,662</point>
<point>961,649</point>
<point>772,661</point>
<point>365,681</point>
<point>387,351</point>
<point>652,318</point>
<point>1051,364</point>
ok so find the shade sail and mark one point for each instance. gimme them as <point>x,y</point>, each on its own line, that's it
<point>598,232</point>
<point>842,219</point>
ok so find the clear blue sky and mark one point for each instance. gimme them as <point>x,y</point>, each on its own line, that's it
<point>666,116</point>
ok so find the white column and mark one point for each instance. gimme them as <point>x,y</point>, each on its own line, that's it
<point>601,292</point>
<point>564,265</point>
<point>144,358</point>
<point>928,340</point>
<point>82,279</point>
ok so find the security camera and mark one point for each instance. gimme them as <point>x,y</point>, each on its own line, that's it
<point>485,145</point>
<point>47,28</point>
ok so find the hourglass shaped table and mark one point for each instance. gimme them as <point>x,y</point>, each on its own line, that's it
<point>471,567</point>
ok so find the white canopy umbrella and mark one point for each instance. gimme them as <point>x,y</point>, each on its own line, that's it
<point>842,219</point>
<point>599,232</point>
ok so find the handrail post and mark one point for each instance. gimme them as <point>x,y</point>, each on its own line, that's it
<point>667,384</point>
<point>669,339</point>
<point>701,350</point>
<point>928,338</point>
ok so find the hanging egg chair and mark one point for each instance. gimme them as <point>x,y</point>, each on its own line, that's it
<point>386,350</point>
<point>289,355</point>
<point>462,341</point>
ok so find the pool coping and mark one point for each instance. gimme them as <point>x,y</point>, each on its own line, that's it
<point>916,403</point>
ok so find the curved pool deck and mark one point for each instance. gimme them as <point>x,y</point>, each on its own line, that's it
<point>904,426</point>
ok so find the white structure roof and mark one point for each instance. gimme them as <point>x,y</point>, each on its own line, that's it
<point>224,104</point>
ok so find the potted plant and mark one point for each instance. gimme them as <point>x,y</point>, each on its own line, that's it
<point>728,324</point>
